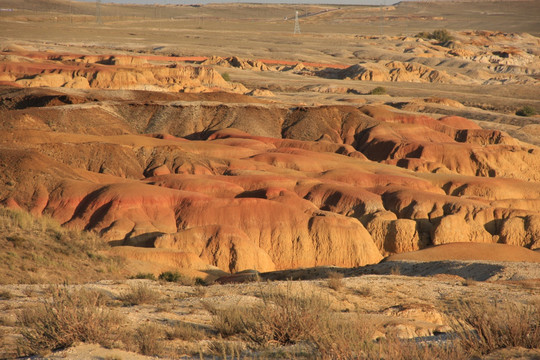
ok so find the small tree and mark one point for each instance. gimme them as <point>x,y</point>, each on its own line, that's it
<point>526,111</point>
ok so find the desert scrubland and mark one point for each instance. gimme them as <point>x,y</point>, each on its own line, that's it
<point>199,182</point>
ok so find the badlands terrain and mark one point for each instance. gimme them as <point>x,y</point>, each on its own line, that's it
<point>191,172</point>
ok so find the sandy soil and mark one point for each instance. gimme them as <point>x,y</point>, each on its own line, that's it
<point>431,292</point>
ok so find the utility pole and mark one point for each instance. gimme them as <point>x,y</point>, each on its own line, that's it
<point>296,24</point>
<point>382,20</point>
<point>98,12</point>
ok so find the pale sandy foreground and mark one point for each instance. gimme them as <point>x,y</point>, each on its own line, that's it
<point>409,306</point>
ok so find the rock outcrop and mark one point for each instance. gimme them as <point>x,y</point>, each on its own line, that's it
<point>207,181</point>
<point>111,72</point>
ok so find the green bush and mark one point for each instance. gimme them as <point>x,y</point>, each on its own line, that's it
<point>441,35</point>
<point>423,35</point>
<point>147,276</point>
<point>170,276</point>
<point>526,111</point>
<point>379,90</point>
<point>226,76</point>
<point>175,276</point>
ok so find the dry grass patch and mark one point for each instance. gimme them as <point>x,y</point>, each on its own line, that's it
<point>226,349</point>
<point>343,338</point>
<point>297,318</point>
<point>364,291</point>
<point>149,339</point>
<point>229,321</point>
<point>147,276</point>
<point>285,317</point>
<point>335,281</point>
<point>185,331</point>
<point>485,326</point>
<point>140,294</point>
<point>39,250</point>
<point>68,317</point>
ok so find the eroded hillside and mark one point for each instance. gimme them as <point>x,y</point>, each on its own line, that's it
<point>189,145</point>
<point>217,180</point>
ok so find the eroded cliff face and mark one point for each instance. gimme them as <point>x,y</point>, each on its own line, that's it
<point>225,180</point>
<point>41,69</point>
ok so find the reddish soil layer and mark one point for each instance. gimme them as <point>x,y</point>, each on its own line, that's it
<point>212,179</point>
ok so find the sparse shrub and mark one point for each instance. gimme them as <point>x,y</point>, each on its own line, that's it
<point>335,281</point>
<point>442,35</point>
<point>526,111</point>
<point>199,291</point>
<point>226,76</point>
<point>423,35</point>
<point>147,276</point>
<point>201,282</point>
<point>148,338</point>
<point>17,241</point>
<point>379,90</point>
<point>364,291</point>
<point>468,282</point>
<point>285,318</point>
<point>282,318</point>
<point>5,295</point>
<point>170,276</point>
<point>69,317</point>
<point>175,276</point>
<point>485,326</point>
<point>140,294</point>
<point>343,338</point>
<point>22,219</point>
<point>229,321</point>
<point>184,331</point>
<point>164,307</point>
<point>351,338</point>
<point>225,349</point>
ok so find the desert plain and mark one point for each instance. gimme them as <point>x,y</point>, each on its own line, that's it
<point>198,181</point>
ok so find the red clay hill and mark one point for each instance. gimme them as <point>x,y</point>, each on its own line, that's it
<point>219,179</point>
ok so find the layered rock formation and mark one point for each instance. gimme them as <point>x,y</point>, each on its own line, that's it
<point>218,180</point>
<point>35,69</point>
